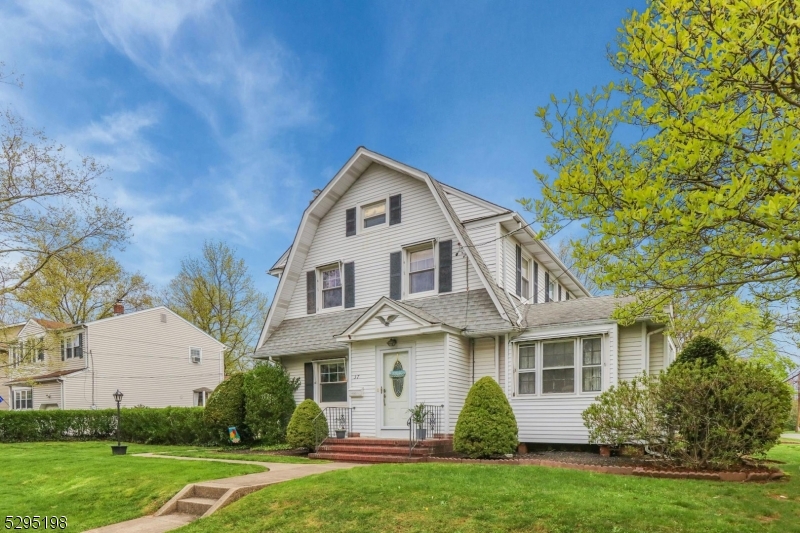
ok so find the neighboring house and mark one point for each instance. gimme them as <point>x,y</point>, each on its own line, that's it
<point>399,290</point>
<point>154,357</point>
<point>8,337</point>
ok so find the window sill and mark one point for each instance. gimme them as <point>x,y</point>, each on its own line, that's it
<point>424,294</point>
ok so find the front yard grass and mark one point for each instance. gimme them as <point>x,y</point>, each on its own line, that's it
<point>442,497</point>
<point>262,457</point>
<point>85,483</point>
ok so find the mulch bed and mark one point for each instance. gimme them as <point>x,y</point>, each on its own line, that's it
<point>621,465</point>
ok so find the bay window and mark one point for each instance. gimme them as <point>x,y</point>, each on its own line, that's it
<point>23,399</point>
<point>559,366</point>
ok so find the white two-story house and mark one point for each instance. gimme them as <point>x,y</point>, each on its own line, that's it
<point>154,357</point>
<point>400,290</point>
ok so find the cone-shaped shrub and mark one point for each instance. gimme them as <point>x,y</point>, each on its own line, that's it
<point>486,425</point>
<point>703,349</point>
<point>300,433</point>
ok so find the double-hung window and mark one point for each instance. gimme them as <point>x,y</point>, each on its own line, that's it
<point>421,270</point>
<point>551,291</point>
<point>200,397</point>
<point>525,285</point>
<point>332,382</point>
<point>331,287</point>
<point>374,214</point>
<point>592,369</point>
<point>23,399</point>
<point>527,369</point>
<point>558,367</point>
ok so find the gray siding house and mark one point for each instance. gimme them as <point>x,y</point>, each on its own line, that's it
<point>400,290</point>
<point>154,357</point>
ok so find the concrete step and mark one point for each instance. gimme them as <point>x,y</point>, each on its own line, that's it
<point>367,458</point>
<point>208,491</point>
<point>195,506</point>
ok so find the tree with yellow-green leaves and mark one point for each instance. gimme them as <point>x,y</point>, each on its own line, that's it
<point>685,173</point>
<point>82,285</point>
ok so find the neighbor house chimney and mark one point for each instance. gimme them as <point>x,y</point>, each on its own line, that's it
<point>119,309</point>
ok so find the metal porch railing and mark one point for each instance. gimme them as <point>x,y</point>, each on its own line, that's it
<point>426,422</point>
<point>332,422</point>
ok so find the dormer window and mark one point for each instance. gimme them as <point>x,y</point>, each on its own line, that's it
<point>421,270</point>
<point>374,214</point>
<point>331,287</point>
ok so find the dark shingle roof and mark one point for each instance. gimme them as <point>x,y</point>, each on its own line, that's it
<point>570,311</point>
<point>44,377</point>
<point>314,333</point>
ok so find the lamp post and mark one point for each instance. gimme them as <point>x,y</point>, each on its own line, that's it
<point>119,449</point>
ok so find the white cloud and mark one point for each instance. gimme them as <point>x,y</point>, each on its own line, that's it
<point>118,139</point>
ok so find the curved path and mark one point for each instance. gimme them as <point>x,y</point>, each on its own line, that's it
<point>170,516</point>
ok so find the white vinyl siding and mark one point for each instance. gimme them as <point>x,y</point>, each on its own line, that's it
<point>422,219</point>
<point>469,210</point>
<point>657,362</point>
<point>147,360</point>
<point>631,351</point>
<point>483,238</point>
<point>47,394</point>
<point>484,364</point>
<point>458,377</point>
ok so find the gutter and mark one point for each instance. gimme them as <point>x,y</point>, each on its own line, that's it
<point>510,299</point>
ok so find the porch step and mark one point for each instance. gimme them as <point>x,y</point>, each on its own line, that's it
<point>368,458</point>
<point>195,506</point>
<point>436,443</point>
<point>375,450</point>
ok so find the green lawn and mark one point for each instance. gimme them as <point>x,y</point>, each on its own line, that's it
<point>85,483</point>
<point>213,454</point>
<point>439,497</point>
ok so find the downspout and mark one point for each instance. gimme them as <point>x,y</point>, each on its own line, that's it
<point>472,347</point>
<point>647,348</point>
<point>510,299</point>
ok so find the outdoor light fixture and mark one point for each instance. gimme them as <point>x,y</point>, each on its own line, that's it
<point>119,449</point>
<point>392,342</point>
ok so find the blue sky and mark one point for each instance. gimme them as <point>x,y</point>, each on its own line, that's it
<point>217,119</point>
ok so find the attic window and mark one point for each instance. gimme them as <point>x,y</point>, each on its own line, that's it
<point>374,214</point>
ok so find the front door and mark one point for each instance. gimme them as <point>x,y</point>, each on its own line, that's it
<point>396,389</point>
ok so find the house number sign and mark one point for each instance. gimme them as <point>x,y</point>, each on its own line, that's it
<point>398,376</point>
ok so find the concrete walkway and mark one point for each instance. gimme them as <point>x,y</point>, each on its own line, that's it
<point>278,472</point>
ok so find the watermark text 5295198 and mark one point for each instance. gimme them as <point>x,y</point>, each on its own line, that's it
<point>35,522</point>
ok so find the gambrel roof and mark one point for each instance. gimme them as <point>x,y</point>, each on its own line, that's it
<point>325,200</point>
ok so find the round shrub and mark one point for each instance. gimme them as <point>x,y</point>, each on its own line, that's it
<point>627,413</point>
<point>703,349</point>
<point>718,414</point>
<point>269,402</point>
<point>302,432</point>
<point>225,407</point>
<point>486,425</point>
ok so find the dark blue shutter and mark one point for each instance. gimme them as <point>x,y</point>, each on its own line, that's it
<point>559,293</point>
<point>79,347</point>
<point>518,250</point>
<point>394,210</point>
<point>535,282</point>
<point>63,351</point>
<point>350,222</point>
<point>567,295</point>
<point>395,275</point>
<point>445,266</point>
<point>311,292</point>
<point>308,378</point>
<point>547,286</point>
<point>349,285</point>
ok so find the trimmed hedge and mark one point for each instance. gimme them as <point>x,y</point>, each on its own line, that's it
<point>486,426</point>
<point>269,402</point>
<point>703,349</point>
<point>300,432</point>
<point>170,425</point>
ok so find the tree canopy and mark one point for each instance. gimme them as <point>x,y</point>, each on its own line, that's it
<point>82,285</point>
<point>216,293</point>
<point>684,172</point>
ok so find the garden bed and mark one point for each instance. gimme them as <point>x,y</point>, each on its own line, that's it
<point>621,465</point>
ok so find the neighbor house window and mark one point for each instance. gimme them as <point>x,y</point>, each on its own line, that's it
<point>200,398</point>
<point>16,354</point>
<point>421,270</point>
<point>331,287</point>
<point>332,382</point>
<point>525,286</point>
<point>195,355</point>
<point>72,347</point>
<point>23,399</point>
<point>558,367</point>
<point>526,370</point>
<point>592,369</point>
<point>374,214</point>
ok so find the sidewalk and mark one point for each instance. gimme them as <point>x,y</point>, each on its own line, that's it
<point>277,473</point>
